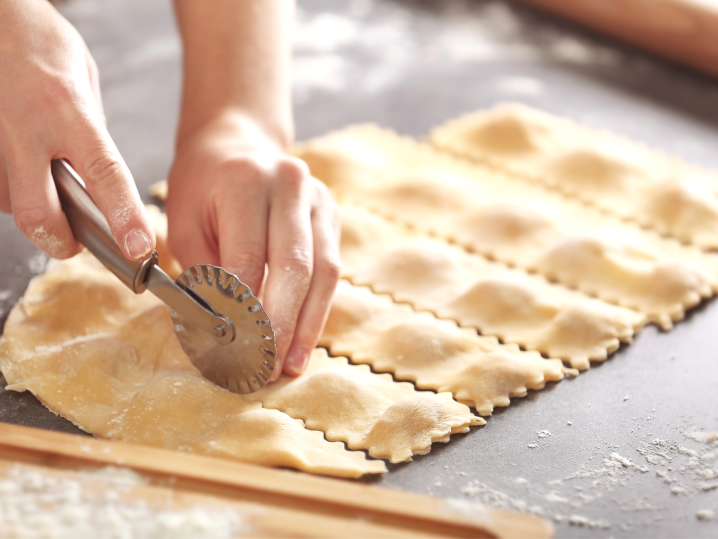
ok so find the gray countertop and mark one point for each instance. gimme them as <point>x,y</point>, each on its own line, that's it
<point>615,452</point>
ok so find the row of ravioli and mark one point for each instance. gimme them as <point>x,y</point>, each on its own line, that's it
<point>514,222</point>
<point>617,175</point>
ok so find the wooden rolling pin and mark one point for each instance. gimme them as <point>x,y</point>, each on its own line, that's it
<point>292,504</point>
<point>685,31</point>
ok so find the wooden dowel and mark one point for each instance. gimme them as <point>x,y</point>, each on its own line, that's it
<point>274,488</point>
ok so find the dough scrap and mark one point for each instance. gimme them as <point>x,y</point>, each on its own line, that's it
<point>108,360</point>
<point>617,175</point>
<point>435,354</point>
<point>518,308</point>
<point>349,403</point>
<point>519,223</point>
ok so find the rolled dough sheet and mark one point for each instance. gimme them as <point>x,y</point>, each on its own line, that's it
<point>433,353</point>
<point>349,403</point>
<point>436,276</point>
<point>108,360</point>
<point>617,175</point>
<point>514,221</point>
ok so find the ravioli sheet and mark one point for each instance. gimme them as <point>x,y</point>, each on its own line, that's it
<point>349,403</point>
<point>513,221</point>
<point>108,360</point>
<point>617,175</point>
<point>435,354</point>
<point>436,276</point>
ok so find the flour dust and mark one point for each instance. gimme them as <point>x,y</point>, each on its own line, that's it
<point>686,469</point>
<point>94,505</point>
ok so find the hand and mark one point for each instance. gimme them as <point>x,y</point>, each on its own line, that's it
<point>50,108</point>
<point>237,201</point>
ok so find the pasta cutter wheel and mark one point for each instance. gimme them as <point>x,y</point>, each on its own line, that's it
<point>245,364</point>
<point>219,323</point>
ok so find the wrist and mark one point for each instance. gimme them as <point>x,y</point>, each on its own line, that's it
<point>232,122</point>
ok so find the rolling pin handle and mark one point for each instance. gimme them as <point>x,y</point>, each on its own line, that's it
<point>90,228</point>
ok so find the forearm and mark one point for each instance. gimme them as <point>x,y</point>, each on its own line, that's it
<point>236,65</point>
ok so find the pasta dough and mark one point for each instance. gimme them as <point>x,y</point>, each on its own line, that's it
<point>435,354</point>
<point>520,224</point>
<point>446,280</point>
<point>109,361</point>
<point>615,174</point>
<point>368,411</point>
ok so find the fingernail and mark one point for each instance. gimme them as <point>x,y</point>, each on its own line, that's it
<point>137,244</point>
<point>297,360</point>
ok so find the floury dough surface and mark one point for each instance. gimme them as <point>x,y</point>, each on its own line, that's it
<point>368,411</point>
<point>108,360</point>
<point>435,354</point>
<point>444,279</point>
<point>513,221</point>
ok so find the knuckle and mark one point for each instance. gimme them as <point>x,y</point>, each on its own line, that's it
<point>299,264</point>
<point>104,169</point>
<point>293,172</point>
<point>330,268</point>
<point>234,173</point>
<point>62,96</point>
<point>239,168</point>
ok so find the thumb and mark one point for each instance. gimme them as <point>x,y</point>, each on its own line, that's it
<point>110,184</point>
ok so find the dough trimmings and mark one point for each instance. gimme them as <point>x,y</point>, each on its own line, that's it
<point>617,175</point>
<point>108,360</point>
<point>518,308</point>
<point>435,354</point>
<point>349,403</point>
<point>516,222</point>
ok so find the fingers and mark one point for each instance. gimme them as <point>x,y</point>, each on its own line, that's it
<point>241,216</point>
<point>290,256</point>
<point>111,186</point>
<point>36,209</point>
<point>325,229</point>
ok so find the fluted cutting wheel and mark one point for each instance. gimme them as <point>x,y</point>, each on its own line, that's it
<point>244,365</point>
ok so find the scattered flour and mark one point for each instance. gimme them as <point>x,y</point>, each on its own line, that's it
<point>37,263</point>
<point>33,504</point>
<point>371,45</point>
<point>578,520</point>
<point>76,340</point>
<point>580,498</point>
<point>700,436</point>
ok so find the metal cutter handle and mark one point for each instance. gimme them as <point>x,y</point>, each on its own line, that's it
<point>91,229</point>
